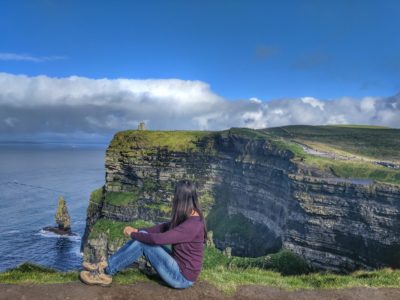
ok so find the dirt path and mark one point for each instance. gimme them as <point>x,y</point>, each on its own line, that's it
<point>201,290</point>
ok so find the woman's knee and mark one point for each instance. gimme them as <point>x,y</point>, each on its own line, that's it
<point>135,243</point>
<point>146,246</point>
<point>142,245</point>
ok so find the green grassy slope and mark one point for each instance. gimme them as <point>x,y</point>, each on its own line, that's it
<point>229,273</point>
<point>363,145</point>
<point>179,140</point>
<point>114,229</point>
<point>370,141</point>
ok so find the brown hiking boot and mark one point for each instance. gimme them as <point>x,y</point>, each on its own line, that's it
<point>94,278</point>
<point>95,267</point>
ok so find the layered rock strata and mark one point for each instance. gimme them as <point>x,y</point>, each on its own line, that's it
<point>258,199</point>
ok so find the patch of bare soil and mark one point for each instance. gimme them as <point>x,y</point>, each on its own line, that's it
<point>201,290</point>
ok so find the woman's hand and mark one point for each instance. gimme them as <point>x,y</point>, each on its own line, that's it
<point>128,230</point>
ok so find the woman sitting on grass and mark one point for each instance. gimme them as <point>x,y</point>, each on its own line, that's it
<point>186,232</point>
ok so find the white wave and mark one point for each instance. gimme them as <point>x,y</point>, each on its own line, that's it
<point>77,250</point>
<point>79,222</point>
<point>12,231</point>
<point>49,234</point>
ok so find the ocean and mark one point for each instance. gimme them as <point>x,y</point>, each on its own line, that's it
<point>32,178</point>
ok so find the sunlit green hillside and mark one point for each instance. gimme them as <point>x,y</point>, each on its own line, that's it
<point>370,141</point>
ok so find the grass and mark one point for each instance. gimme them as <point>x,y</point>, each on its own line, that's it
<point>245,133</point>
<point>360,126</point>
<point>206,200</point>
<point>121,198</point>
<point>238,225</point>
<point>159,206</point>
<point>32,273</point>
<point>97,195</point>
<point>114,229</point>
<point>343,168</point>
<point>296,149</point>
<point>355,169</point>
<point>226,277</point>
<point>96,198</point>
<point>227,280</point>
<point>144,139</point>
<point>129,276</point>
<point>285,262</point>
<point>370,141</point>
<point>229,273</point>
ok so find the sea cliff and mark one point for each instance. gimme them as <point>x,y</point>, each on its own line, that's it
<point>261,192</point>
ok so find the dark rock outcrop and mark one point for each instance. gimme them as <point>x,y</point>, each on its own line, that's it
<point>62,219</point>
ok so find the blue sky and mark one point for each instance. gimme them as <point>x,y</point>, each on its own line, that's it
<point>221,52</point>
<point>264,49</point>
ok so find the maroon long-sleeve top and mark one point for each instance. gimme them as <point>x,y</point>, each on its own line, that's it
<point>187,240</point>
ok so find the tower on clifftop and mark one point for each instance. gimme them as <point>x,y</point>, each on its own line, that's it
<point>141,126</point>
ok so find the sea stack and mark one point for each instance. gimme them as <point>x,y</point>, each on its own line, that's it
<point>63,219</point>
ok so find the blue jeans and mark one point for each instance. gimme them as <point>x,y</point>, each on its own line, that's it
<point>159,257</point>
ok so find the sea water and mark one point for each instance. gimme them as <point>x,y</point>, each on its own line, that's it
<point>32,178</point>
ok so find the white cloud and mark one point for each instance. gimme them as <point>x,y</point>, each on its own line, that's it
<point>26,57</point>
<point>313,102</point>
<point>255,100</point>
<point>254,119</point>
<point>337,119</point>
<point>367,104</point>
<point>72,105</point>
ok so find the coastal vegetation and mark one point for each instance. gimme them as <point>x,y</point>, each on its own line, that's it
<point>352,151</point>
<point>348,151</point>
<point>222,223</point>
<point>121,198</point>
<point>369,141</point>
<point>342,151</point>
<point>97,195</point>
<point>183,140</point>
<point>36,274</point>
<point>227,273</point>
<point>143,167</point>
<point>343,168</point>
<point>356,169</point>
<point>114,229</point>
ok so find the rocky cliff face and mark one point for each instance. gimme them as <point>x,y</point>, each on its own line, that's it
<point>257,198</point>
<point>344,226</point>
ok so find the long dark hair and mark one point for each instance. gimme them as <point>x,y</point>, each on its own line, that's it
<point>184,202</point>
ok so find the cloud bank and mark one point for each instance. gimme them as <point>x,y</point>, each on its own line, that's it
<point>79,106</point>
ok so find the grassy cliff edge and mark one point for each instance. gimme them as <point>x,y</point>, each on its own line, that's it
<point>226,274</point>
